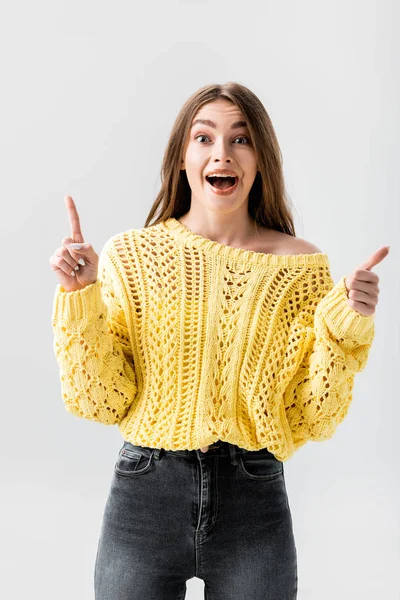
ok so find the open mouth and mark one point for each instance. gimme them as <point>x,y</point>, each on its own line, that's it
<point>222,183</point>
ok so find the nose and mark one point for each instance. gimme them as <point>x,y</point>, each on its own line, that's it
<point>221,151</point>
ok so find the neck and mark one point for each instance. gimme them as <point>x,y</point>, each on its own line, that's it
<point>230,230</point>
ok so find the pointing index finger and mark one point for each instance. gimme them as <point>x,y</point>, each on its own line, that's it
<point>76,232</point>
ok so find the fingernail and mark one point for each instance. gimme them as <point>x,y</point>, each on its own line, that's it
<point>81,262</point>
<point>75,246</point>
<point>73,273</point>
<point>77,268</point>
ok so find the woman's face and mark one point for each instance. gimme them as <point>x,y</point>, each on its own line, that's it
<point>226,146</point>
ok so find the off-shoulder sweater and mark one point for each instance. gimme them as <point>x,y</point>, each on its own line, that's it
<point>183,341</point>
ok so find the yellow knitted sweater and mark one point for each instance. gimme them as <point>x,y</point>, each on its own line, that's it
<point>183,341</point>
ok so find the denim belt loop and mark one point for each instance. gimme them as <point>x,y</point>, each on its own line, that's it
<point>158,452</point>
<point>232,451</point>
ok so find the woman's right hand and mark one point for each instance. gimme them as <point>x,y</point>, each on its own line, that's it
<point>65,258</point>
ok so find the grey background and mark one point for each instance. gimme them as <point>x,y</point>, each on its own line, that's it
<point>90,91</point>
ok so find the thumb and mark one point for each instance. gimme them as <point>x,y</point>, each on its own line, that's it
<point>74,247</point>
<point>375,258</point>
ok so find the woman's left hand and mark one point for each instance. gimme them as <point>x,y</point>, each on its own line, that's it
<point>362,284</point>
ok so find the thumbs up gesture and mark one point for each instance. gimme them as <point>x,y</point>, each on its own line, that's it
<point>362,284</point>
<point>75,262</point>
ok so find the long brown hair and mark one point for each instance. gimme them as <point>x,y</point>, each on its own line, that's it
<point>268,202</point>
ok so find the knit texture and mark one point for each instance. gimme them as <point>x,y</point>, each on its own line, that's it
<point>183,341</point>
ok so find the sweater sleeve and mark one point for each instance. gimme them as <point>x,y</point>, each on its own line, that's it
<point>333,341</point>
<point>92,346</point>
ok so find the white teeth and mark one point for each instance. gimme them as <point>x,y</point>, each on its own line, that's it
<point>219,175</point>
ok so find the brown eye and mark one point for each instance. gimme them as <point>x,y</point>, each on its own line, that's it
<point>243,137</point>
<point>240,137</point>
<point>201,135</point>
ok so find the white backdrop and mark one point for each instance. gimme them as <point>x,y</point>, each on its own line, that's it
<point>90,91</point>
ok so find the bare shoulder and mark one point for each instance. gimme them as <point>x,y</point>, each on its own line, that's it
<point>278,242</point>
<point>301,246</point>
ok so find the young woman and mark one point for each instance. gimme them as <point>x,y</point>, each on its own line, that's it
<point>218,342</point>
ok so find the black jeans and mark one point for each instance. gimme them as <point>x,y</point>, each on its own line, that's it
<point>222,516</point>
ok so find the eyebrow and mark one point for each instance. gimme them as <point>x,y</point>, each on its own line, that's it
<point>235,125</point>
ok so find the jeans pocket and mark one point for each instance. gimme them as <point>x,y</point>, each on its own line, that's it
<point>260,464</point>
<point>133,460</point>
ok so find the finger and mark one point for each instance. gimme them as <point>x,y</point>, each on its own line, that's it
<point>74,247</point>
<point>76,232</point>
<point>366,297</point>
<point>60,263</point>
<point>362,286</point>
<point>76,253</point>
<point>375,258</point>
<point>360,275</point>
<point>361,307</point>
<point>63,253</point>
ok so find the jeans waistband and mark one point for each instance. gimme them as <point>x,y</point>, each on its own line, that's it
<point>219,448</point>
